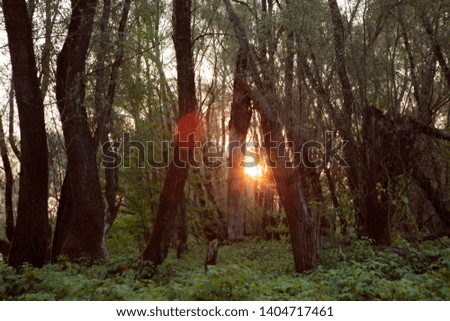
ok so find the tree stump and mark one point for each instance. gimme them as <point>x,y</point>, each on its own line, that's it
<point>211,255</point>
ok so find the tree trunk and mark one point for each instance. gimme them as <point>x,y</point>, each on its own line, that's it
<point>210,227</point>
<point>302,224</point>
<point>374,211</point>
<point>268,220</point>
<point>111,184</point>
<point>50,18</point>
<point>104,106</point>
<point>435,46</point>
<point>80,223</point>
<point>435,196</point>
<point>62,218</point>
<point>335,200</point>
<point>182,228</point>
<point>30,240</point>
<point>209,188</point>
<point>9,211</point>
<point>302,221</point>
<point>172,192</point>
<point>239,122</point>
<point>211,254</point>
<point>171,195</point>
<point>332,188</point>
<point>344,121</point>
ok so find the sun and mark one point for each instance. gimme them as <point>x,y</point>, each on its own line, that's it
<point>254,172</point>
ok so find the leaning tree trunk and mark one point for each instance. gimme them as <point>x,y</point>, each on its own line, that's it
<point>171,196</point>
<point>373,210</point>
<point>80,223</point>
<point>239,122</point>
<point>435,46</point>
<point>436,197</point>
<point>172,192</point>
<point>30,240</point>
<point>302,224</point>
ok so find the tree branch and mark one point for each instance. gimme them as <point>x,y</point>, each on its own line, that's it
<point>430,131</point>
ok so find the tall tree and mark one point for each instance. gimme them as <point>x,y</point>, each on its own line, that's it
<point>177,173</point>
<point>80,219</point>
<point>241,114</point>
<point>372,208</point>
<point>30,240</point>
<point>104,100</point>
<point>303,225</point>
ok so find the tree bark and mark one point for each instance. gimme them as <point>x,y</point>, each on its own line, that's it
<point>80,223</point>
<point>172,192</point>
<point>30,240</point>
<point>182,228</point>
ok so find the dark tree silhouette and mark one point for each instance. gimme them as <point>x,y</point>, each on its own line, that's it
<point>30,240</point>
<point>172,192</point>
<point>80,220</point>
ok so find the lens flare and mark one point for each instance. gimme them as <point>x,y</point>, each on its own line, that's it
<point>254,172</point>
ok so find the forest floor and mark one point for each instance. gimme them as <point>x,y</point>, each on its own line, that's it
<point>251,270</point>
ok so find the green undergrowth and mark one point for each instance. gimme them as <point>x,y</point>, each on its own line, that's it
<point>252,270</point>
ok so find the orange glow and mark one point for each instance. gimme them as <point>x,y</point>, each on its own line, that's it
<point>189,130</point>
<point>254,172</point>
